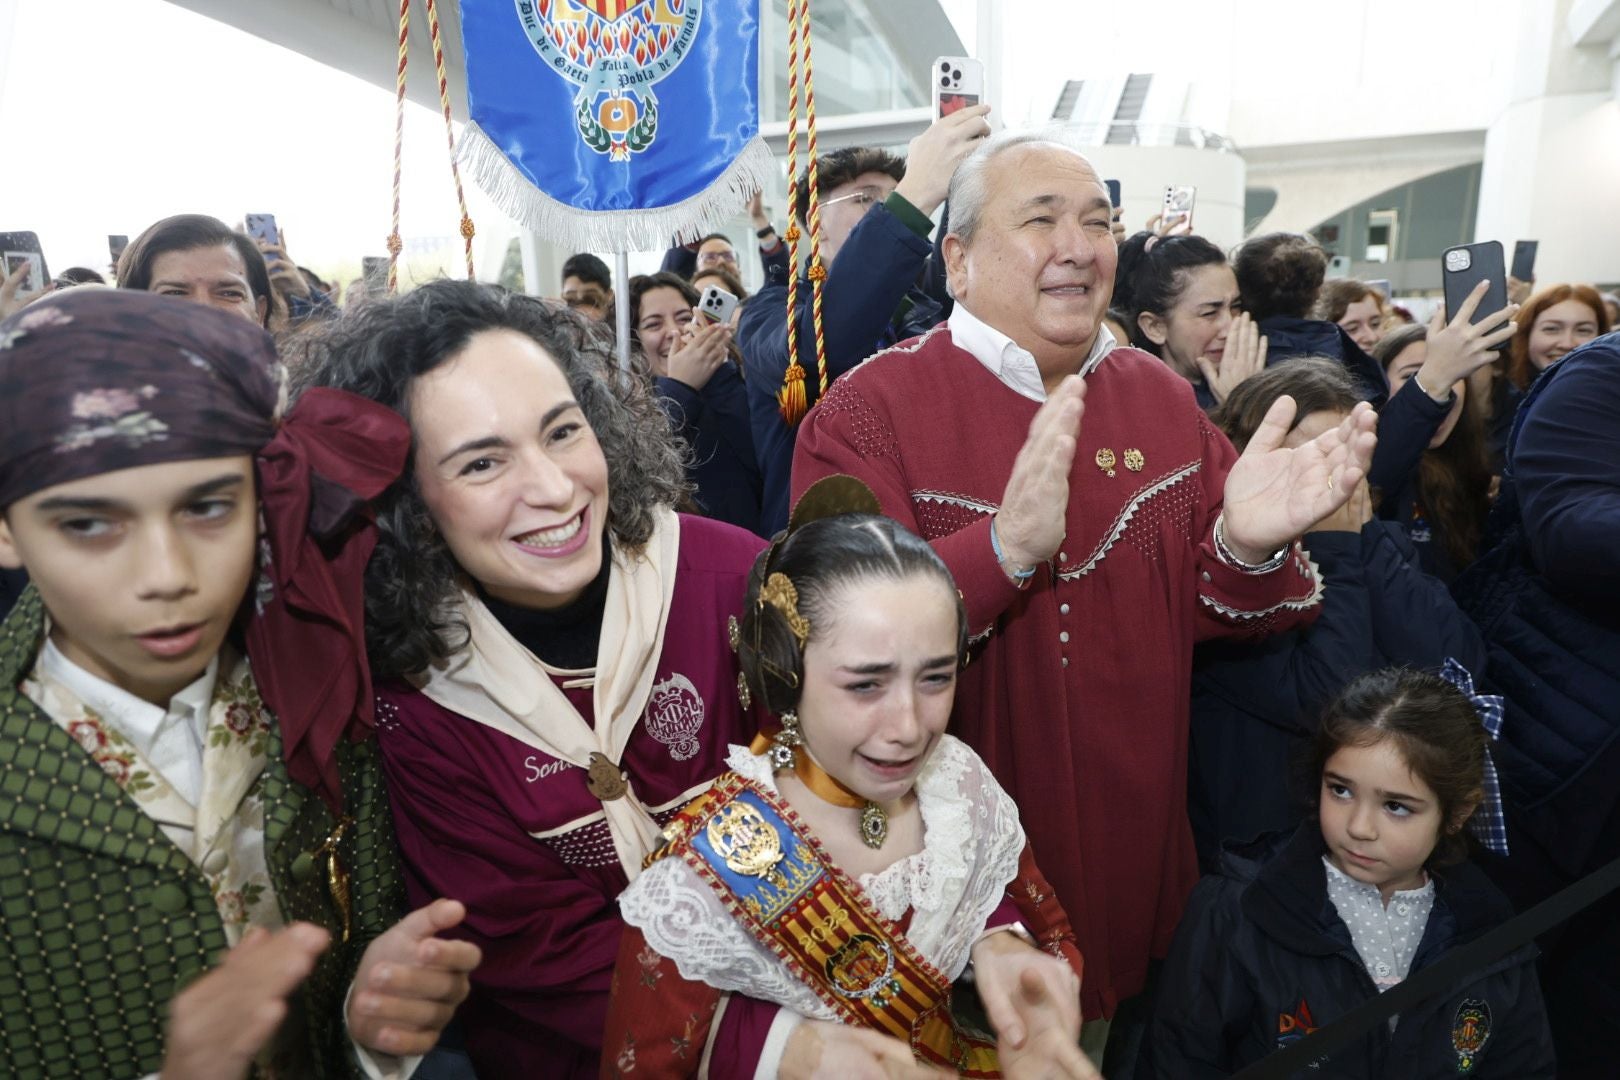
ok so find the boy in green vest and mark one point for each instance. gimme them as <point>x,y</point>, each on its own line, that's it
<point>197,868</point>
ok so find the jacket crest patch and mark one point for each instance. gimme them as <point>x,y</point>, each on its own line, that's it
<point>1294,1026</point>
<point>1470,1031</point>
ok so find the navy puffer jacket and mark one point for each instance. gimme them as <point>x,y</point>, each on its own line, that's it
<point>1547,598</point>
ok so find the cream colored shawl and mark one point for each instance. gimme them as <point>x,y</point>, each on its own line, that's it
<point>497,682</point>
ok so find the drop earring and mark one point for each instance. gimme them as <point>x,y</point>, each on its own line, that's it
<point>785,743</point>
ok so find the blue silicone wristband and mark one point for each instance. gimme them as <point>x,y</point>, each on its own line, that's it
<point>995,546</point>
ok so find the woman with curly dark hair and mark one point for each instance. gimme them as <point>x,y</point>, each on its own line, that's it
<point>551,636</point>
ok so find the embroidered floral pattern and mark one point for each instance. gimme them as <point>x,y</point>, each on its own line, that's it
<point>122,414</point>
<point>236,905</point>
<point>243,719</point>
<point>649,961</point>
<point>110,404</point>
<point>627,1057</point>
<point>682,1043</point>
<point>112,752</point>
<point>37,317</point>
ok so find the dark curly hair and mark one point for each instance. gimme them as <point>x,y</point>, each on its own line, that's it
<point>1434,727</point>
<point>378,351</point>
<point>1280,274</point>
<point>820,558</point>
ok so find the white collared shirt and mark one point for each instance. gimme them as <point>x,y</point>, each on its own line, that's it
<point>1008,361</point>
<point>170,739</point>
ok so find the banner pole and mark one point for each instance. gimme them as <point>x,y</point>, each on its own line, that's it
<point>621,307</point>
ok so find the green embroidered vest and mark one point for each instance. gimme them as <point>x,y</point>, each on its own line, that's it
<point>103,920</point>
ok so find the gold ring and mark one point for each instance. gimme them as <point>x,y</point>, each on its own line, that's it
<point>1330,483</point>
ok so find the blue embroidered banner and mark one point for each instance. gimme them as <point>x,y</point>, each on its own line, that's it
<point>613,125</point>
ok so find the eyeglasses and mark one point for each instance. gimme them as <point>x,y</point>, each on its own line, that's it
<point>711,258</point>
<point>865,198</point>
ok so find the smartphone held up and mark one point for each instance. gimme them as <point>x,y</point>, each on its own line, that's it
<point>1178,206</point>
<point>958,84</point>
<point>1464,267</point>
<point>263,229</point>
<point>23,247</point>
<point>716,305</point>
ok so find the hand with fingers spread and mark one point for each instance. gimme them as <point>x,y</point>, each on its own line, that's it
<point>1459,348</point>
<point>1273,493</point>
<point>1243,355</point>
<point>410,981</point>
<point>1033,1002</point>
<point>701,352</point>
<point>1035,503</point>
<point>822,1050</point>
<point>219,1023</point>
<point>933,156</point>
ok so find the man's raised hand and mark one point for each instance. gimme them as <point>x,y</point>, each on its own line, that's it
<point>1035,504</point>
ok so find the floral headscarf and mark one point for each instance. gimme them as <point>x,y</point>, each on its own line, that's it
<point>98,380</point>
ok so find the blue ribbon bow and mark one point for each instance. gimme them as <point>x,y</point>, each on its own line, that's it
<point>1488,822</point>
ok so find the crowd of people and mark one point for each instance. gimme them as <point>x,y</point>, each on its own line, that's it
<point>1138,657</point>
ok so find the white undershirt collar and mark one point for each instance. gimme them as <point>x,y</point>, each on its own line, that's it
<point>170,739</point>
<point>1009,362</point>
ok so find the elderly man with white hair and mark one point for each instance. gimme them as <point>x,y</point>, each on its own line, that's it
<point>1091,553</point>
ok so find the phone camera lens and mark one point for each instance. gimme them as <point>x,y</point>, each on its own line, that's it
<point>945,80</point>
<point>946,66</point>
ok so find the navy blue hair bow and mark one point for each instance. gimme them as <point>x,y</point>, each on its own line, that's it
<point>1488,822</point>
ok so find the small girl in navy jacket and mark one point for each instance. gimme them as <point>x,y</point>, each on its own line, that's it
<point>1294,931</point>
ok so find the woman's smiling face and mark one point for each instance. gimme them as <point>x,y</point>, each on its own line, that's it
<point>510,470</point>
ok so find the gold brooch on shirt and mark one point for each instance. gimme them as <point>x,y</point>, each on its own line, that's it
<point>603,779</point>
<point>1134,460</point>
<point>1105,460</point>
